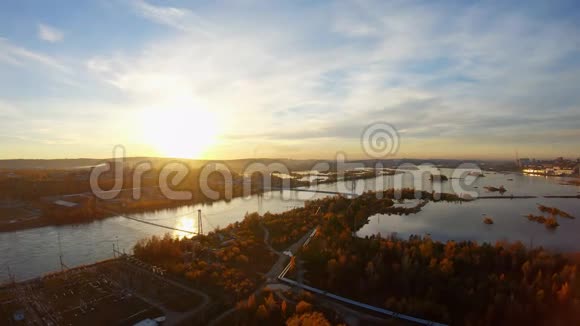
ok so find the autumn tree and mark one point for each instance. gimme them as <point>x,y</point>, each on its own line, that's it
<point>308,319</point>
<point>303,307</point>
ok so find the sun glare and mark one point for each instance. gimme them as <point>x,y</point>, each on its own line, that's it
<point>182,130</point>
<point>187,224</point>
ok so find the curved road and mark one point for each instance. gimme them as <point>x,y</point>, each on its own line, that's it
<point>275,270</point>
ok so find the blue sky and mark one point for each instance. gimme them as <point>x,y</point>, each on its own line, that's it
<point>235,79</point>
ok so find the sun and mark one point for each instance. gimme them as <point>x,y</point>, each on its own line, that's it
<point>179,129</point>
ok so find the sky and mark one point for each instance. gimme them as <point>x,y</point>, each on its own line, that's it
<point>288,79</point>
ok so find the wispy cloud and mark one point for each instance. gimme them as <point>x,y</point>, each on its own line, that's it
<point>180,18</point>
<point>450,76</point>
<point>16,55</point>
<point>49,33</point>
<point>399,62</point>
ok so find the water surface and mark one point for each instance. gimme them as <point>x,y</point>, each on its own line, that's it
<point>33,252</point>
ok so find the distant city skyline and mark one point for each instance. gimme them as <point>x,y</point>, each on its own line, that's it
<point>218,80</point>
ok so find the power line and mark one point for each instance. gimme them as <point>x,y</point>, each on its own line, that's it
<point>151,223</point>
<point>62,265</point>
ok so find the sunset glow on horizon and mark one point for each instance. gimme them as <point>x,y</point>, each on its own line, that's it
<point>179,129</point>
<point>280,79</point>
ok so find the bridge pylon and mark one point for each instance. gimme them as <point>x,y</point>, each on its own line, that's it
<point>199,222</point>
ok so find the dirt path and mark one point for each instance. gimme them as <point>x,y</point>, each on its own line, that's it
<point>272,274</point>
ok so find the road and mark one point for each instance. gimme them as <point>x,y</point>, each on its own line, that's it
<point>350,316</point>
<point>272,274</point>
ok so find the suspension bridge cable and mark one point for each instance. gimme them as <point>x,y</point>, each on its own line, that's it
<point>151,223</point>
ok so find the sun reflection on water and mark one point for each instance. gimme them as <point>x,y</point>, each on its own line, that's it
<point>185,223</point>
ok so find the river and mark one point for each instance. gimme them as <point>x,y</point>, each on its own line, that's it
<point>33,252</point>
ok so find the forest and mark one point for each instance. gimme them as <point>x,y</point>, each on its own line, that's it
<point>230,263</point>
<point>227,264</point>
<point>460,283</point>
<point>269,308</point>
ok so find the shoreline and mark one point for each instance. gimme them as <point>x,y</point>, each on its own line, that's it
<point>575,254</point>
<point>44,221</point>
<point>41,222</point>
<point>34,279</point>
